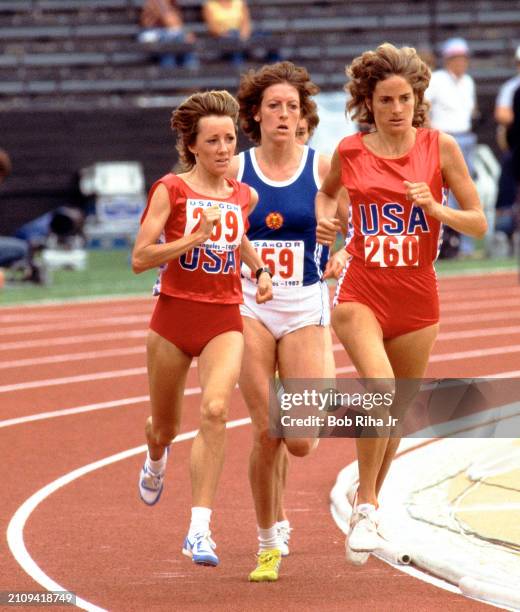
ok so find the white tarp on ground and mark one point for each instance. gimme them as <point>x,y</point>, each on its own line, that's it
<point>419,518</point>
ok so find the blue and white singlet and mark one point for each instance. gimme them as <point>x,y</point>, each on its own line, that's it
<point>283,223</point>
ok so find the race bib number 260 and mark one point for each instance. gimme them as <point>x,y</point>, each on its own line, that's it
<point>391,251</point>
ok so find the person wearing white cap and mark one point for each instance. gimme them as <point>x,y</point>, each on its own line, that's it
<point>507,185</point>
<point>452,97</point>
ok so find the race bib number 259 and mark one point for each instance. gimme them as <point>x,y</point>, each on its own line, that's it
<point>227,235</point>
<point>391,251</point>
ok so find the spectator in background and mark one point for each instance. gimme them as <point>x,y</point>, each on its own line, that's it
<point>162,22</point>
<point>507,184</point>
<point>229,20</point>
<point>452,97</point>
<point>513,135</point>
<point>12,250</point>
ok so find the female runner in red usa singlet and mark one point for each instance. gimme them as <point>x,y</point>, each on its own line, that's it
<point>386,312</point>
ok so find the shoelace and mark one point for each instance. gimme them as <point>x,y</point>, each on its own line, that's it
<point>200,538</point>
<point>364,515</point>
<point>268,560</point>
<point>152,480</point>
<point>284,533</point>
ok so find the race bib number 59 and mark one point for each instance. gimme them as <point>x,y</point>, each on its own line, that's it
<point>391,251</point>
<point>284,258</point>
<point>227,235</point>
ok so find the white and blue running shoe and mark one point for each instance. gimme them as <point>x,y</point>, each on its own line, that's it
<point>151,484</point>
<point>200,548</point>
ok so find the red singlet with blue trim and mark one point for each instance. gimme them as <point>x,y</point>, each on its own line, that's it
<point>386,230</point>
<point>209,272</point>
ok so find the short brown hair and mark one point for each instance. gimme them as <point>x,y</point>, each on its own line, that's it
<point>185,119</point>
<point>254,83</point>
<point>367,70</point>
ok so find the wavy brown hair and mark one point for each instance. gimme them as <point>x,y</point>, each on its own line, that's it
<point>312,117</point>
<point>255,82</point>
<point>185,119</point>
<point>367,70</point>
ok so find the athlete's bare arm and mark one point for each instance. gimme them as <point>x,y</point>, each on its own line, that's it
<point>323,167</point>
<point>469,219</point>
<point>326,203</point>
<point>147,253</point>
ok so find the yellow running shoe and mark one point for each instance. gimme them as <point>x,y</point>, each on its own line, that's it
<point>267,566</point>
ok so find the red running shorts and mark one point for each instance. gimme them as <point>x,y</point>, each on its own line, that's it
<point>403,300</point>
<point>191,325</point>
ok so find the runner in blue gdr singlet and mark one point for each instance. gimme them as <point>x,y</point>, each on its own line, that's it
<point>283,224</point>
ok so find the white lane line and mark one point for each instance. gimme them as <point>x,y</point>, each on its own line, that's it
<point>141,333</point>
<point>64,340</point>
<point>77,324</point>
<point>475,354</point>
<point>145,398</point>
<point>68,380</point>
<point>467,333</point>
<point>477,293</point>
<point>498,350</point>
<point>79,409</point>
<point>479,333</point>
<point>40,416</point>
<point>15,529</point>
<point>103,354</point>
<point>478,304</point>
<point>69,313</point>
<point>133,350</point>
<point>94,300</point>
<point>144,318</point>
<point>477,319</point>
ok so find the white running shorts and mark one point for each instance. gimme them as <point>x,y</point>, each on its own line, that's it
<point>290,309</point>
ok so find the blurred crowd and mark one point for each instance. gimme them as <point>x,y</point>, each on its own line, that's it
<point>452,95</point>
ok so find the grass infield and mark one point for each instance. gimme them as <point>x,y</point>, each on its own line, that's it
<point>109,273</point>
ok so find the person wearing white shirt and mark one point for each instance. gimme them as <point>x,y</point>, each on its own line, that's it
<point>452,97</point>
<point>507,186</point>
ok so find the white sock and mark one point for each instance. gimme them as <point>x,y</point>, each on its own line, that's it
<point>157,466</point>
<point>368,508</point>
<point>267,538</point>
<point>200,518</point>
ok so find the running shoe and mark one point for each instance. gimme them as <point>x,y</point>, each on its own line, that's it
<point>283,535</point>
<point>268,566</point>
<point>151,484</point>
<point>200,548</point>
<point>363,536</point>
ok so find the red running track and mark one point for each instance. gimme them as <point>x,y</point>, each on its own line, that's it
<point>79,368</point>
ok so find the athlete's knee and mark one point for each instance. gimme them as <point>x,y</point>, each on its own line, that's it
<point>384,387</point>
<point>214,411</point>
<point>265,443</point>
<point>300,447</point>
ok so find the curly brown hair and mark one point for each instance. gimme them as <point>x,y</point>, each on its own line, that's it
<point>255,82</point>
<point>185,119</point>
<point>367,70</point>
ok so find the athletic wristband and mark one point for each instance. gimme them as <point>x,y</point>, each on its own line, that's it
<point>261,270</point>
